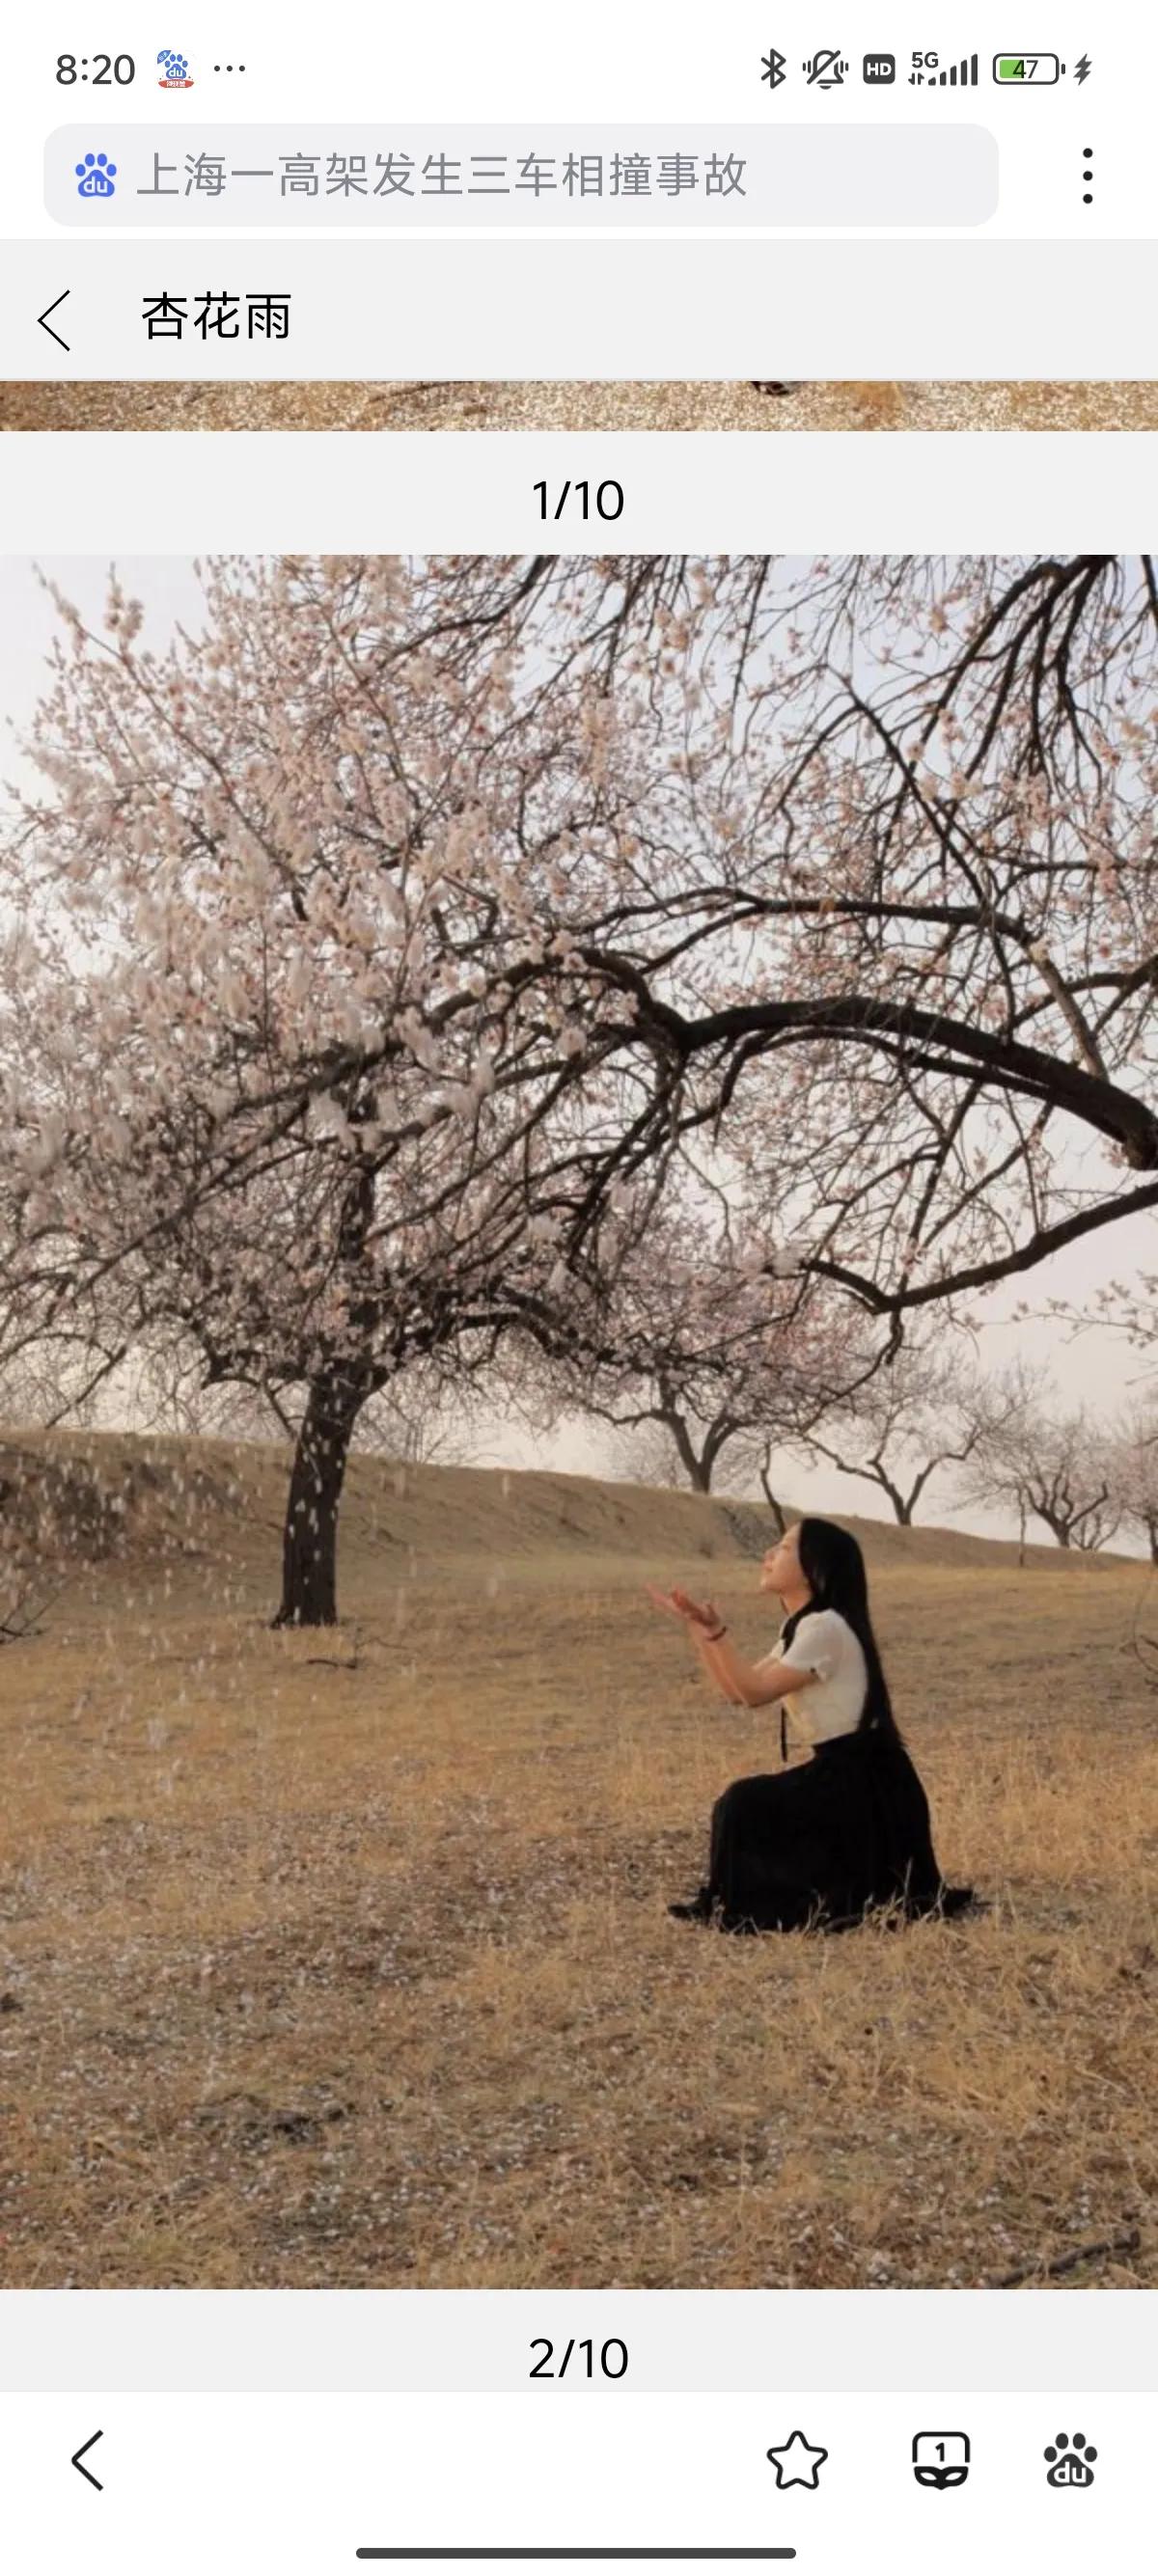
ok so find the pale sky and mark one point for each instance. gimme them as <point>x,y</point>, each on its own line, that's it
<point>1096,1369</point>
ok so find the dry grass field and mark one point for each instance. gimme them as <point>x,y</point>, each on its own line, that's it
<point>579,408</point>
<point>343,1959</point>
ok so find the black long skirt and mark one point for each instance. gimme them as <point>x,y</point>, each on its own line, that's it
<point>823,1844</point>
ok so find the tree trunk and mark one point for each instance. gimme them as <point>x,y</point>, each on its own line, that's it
<point>902,1503</point>
<point>775,1507</point>
<point>696,1468</point>
<point>309,1596</point>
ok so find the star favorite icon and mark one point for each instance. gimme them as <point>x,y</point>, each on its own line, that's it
<point>798,2463</point>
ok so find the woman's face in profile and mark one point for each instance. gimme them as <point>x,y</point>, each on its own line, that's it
<point>780,1571</point>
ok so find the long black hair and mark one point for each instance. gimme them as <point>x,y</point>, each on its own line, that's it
<point>833,1568</point>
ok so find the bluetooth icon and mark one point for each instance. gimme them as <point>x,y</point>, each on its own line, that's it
<point>774,69</point>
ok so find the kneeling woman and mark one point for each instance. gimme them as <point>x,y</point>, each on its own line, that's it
<point>849,1830</point>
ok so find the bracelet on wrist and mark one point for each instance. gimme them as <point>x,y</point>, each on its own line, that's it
<point>713,1634</point>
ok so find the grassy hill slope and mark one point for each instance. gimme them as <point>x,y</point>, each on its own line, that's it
<point>86,1496</point>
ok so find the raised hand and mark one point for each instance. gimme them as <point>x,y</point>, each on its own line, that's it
<point>663,1601</point>
<point>679,1605</point>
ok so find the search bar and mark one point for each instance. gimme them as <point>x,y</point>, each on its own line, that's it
<point>230,177</point>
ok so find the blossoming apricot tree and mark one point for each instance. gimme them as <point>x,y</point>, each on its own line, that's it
<point>375,955</point>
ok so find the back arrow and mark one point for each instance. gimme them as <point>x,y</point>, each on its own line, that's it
<point>46,325</point>
<point>78,2456</point>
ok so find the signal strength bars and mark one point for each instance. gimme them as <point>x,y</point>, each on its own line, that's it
<point>962,75</point>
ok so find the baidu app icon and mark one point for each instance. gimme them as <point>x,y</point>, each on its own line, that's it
<point>174,70</point>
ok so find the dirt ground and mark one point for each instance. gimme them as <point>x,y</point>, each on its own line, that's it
<point>563,406</point>
<point>343,1959</point>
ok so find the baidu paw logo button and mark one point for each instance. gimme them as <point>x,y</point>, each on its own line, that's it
<point>1071,2462</point>
<point>174,69</point>
<point>97,175</point>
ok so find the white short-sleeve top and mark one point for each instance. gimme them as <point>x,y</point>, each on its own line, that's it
<point>831,1704</point>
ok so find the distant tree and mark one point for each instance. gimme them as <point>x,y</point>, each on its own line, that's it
<point>1054,1466</point>
<point>649,1456</point>
<point>1135,1463</point>
<point>924,1411</point>
<point>701,1348</point>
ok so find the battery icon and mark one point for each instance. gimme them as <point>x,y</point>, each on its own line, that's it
<point>1026,71</point>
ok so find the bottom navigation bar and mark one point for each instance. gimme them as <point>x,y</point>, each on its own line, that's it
<point>595,2473</point>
